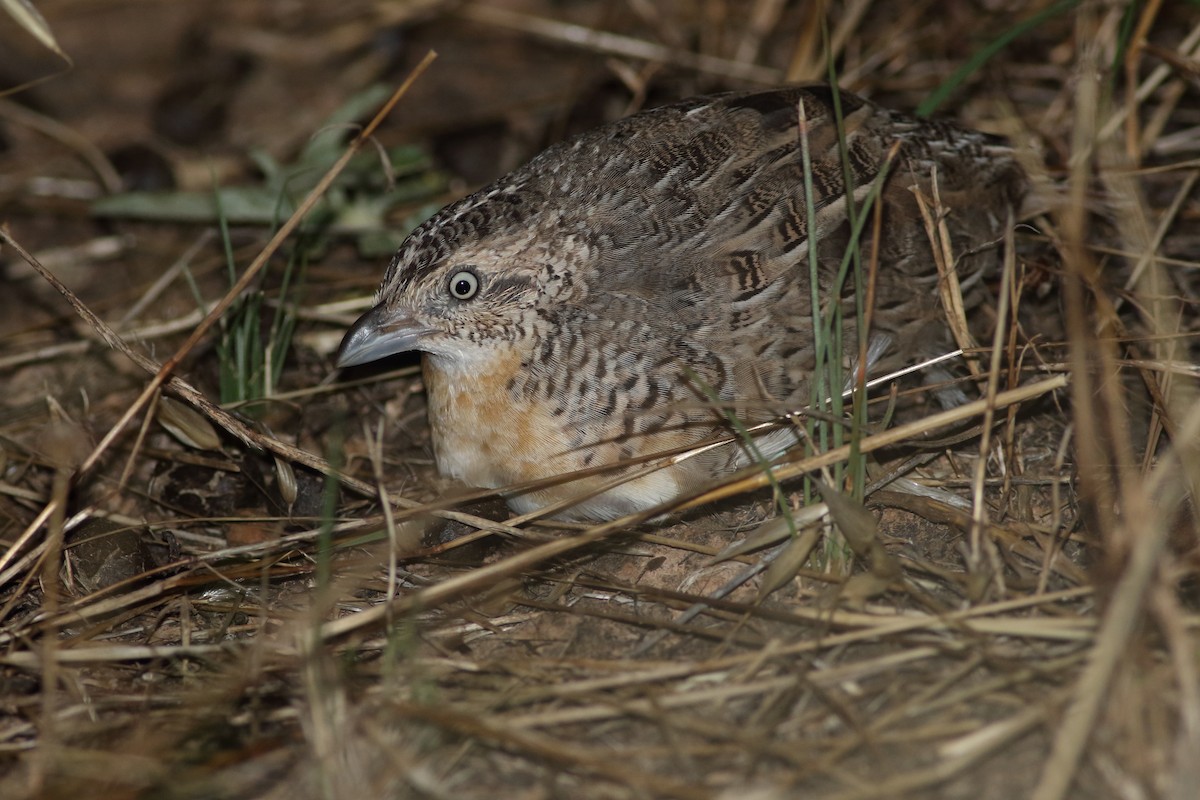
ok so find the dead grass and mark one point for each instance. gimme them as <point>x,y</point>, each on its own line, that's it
<point>214,621</point>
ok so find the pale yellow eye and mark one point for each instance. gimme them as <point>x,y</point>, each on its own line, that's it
<point>463,285</point>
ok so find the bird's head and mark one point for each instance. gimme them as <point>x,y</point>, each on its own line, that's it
<point>473,278</point>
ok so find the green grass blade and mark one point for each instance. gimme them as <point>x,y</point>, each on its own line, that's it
<point>948,86</point>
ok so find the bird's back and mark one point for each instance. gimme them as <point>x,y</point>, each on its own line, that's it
<point>691,221</point>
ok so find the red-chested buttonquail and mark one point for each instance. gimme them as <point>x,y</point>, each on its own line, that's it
<point>590,307</point>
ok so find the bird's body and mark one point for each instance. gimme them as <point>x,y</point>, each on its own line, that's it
<point>591,307</point>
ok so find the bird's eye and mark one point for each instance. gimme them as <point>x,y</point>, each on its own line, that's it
<point>464,284</point>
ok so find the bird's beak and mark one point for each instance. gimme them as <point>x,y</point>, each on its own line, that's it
<point>379,333</point>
